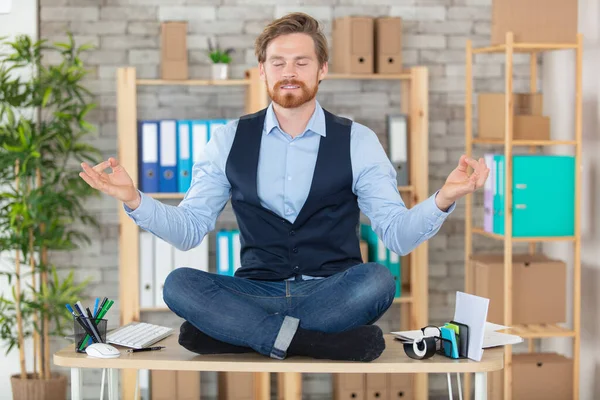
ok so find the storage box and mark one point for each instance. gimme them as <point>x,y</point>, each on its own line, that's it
<point>528,122</point>
<point>364,251</point>
<point>353,45</point>
<point>539,288</point>
<point>536,376</point>
<point>173,52</point>
<point>388,45</point>
<point>534,21</point>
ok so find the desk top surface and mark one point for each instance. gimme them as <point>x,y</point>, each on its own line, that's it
<point>175,357</point>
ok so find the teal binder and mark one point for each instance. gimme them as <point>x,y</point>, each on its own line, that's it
<point>543,191</point>
<point>377,250</point>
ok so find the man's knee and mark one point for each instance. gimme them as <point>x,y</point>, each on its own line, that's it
<point>380,281</point>
<point>174,288</point>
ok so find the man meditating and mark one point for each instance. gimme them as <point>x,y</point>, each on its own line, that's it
<point>298,178</point>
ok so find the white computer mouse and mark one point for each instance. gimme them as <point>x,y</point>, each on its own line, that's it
<point>102,350</point>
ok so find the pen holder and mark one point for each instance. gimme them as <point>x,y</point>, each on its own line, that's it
<point>85,336</point>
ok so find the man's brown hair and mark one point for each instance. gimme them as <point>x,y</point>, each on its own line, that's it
<point>293,23</point>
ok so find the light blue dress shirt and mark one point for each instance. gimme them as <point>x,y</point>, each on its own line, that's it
<point>285,170</point>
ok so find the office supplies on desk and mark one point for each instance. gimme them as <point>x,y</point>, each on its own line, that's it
<point>472,311</point>
<point>146,349</point>
<point>138,335</point>
<point>102,350</point>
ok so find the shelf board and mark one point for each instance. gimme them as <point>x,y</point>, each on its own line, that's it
<point>525,142</point>
<point>526,47</point>
<point>193,82</point>
<point>406,188</point>
<point>154,309</point>
<point>481,231</point>
<point>167,196</point>
<point>368,76</point>
<point>539,331</point>
<point>405,296</point>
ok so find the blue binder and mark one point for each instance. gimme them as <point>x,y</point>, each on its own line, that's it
<point>148,156</point>
<point>184,156</point>
<point>224,256</point>
<point>167,160</point>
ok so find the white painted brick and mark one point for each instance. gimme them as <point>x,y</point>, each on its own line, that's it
<point>437,128</point>
<point>216,28</point>
<point>420,13</point>
<point>423,41</point>
<point>98,57</point>
<point>261,2</point>
<point>247,13</point>
<point>317,12</point>
<point>446,27</point>
<point>144,56</point>
<point>53,28</point>
<point>129,13</point>
<point>372,99</point>
<point>252,27</point>
<point>478,70</point>
<point>99,27</point>
<point>437,270</point>
<point>482,28</point>
<point>183,100</point>
<point>339,85</point>
<point>449,84</point>
<point>202,2</point>
<point>460,42</point>
<point>143,2</point>
<point>480,13</point>
<point>85,3</point>
<point>372,11</point>
<point>448,142</point>
<point>378,2</point>
<point>196,42</point>
<point>438,156</point>
<point>236,41</point>
<point>129,42</point>
<point>53,3</point>
<point>169,13</point>
<point>472,2</point>
<point>70,13</point>
<point>144,28</point>
<point>410,57</point>
<point>441,56</point>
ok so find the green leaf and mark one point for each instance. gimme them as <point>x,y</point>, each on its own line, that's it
<point>47,95</point>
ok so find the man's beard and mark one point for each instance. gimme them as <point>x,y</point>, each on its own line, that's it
<point>291,100</point>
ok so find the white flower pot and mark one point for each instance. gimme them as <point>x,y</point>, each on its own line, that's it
<point>220,71</point>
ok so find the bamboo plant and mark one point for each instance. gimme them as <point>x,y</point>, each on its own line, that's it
<point>43,129</point>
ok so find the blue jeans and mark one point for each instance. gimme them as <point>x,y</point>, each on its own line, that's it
<point>264,315</point>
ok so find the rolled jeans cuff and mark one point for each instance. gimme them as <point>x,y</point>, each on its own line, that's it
<point>284,337</point>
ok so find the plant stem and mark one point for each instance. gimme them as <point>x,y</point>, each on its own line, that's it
<point>36,335</point>
<point>20,341</point>
<point>45,370</point>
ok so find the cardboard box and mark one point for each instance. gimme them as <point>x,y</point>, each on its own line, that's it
<point>364,251</point>
<point>353,45</point>
<point>173,51</point>
<point>539,288</point>
<point>349,386</point>
<point>536,376</point>
<point>388,45</point>
<point>534,21</point>
<point>528,122</point>
<point>236,386</point>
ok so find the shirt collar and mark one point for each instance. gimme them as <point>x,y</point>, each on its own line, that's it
<point>316,123</point>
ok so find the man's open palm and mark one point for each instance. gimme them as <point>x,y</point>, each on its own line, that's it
<point>117,184</point>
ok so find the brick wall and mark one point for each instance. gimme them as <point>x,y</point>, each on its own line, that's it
<point>126,32</point>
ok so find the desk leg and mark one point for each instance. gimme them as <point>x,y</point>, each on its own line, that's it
<point>76,384</point>
<point>113,384</point>
<point>481,386</point>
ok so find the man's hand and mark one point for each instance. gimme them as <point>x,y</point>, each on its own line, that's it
<point>459,183</point>
<point>117,184</point>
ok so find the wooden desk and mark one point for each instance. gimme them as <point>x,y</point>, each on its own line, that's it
<point>175,357</point>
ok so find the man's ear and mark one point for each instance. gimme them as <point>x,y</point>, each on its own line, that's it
<point>261,70</point>
<point>323,71</point>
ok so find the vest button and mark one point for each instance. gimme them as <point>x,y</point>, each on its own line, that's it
<point>296,267</point>
<point>292,233</point>
<point>295,249</point>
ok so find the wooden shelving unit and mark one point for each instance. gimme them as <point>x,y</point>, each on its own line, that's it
<point>414,96</point>
<point>529,332</point>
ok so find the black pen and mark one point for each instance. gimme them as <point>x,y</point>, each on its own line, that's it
<point>145,349</point>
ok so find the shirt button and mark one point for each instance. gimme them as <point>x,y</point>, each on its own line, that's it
<point>295,249</point>
<point>292,233</point>
<point>289,178</point>
<point>288,211</point>
<point>296,268</point>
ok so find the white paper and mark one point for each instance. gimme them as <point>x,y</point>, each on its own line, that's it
<point>472,311</point>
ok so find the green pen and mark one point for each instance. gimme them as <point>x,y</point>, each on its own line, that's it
<point>101,314</point>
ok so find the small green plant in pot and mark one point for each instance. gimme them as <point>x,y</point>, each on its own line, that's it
<point>43,126</point>
<point>220,59</point>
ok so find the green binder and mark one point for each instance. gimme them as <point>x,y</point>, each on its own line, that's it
<point>543,191</point>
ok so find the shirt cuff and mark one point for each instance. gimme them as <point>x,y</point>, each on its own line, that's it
<point>434,211</point>
<point>143,211</point>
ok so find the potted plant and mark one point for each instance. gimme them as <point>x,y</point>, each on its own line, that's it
<point>220,59</point>
<point>42,132</point>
